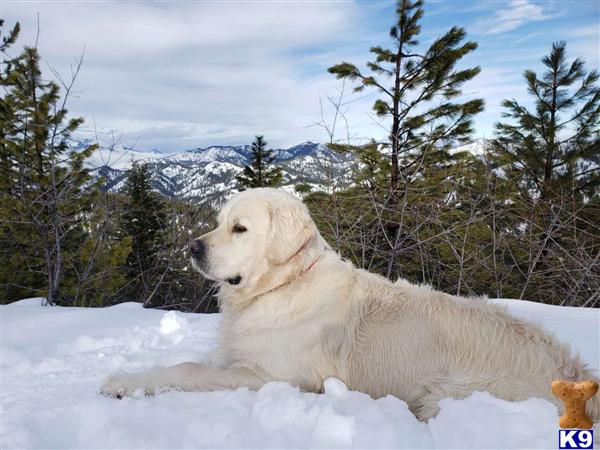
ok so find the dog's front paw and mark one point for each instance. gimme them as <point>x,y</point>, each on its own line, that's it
<point>129,385</point>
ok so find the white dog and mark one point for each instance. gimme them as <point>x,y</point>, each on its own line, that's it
<point>294,311</point>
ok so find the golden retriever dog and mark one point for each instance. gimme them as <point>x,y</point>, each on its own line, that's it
<point>294,310</point>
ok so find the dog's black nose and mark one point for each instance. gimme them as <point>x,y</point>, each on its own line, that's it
<point>234,280</point>
<point>198,249</point>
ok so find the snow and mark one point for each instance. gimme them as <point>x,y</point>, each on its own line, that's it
<point>477,147</point>
<point>210,154</point>
<point>203,173</point>
<point>54,360</point>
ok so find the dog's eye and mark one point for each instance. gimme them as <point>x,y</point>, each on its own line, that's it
<point>237,228</point>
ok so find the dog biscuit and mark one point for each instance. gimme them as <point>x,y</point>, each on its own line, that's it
<point>574,395</point>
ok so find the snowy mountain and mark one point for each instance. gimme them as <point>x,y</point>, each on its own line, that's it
<point>477,147</point>
<point>54,360</point>
<point>205,173</point>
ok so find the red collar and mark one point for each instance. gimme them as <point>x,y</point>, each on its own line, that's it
<point>310,266</point>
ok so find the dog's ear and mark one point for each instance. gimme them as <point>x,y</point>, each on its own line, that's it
<point>291,228</point>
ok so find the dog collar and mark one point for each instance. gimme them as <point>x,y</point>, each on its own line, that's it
<point>310,266</point>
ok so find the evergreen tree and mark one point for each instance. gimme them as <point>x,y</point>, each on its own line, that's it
<point>45,190</point>
<point>260,173</point>
<point>425,122</point>
<point>5,43</point>
<point>144,221</point>
<point>5,110</point>
<point>556,147</point>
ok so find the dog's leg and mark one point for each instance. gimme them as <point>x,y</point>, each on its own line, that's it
<point>185,376</point>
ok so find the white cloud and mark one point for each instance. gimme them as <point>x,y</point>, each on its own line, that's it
<point>589,31</point>
<point>192,73</point>
<point>514,15</point>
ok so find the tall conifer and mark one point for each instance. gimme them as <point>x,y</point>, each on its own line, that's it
<point>144,220</point>
<point>555,148</point>
<point>45,189</point>
<point>261,172</point>
<point>418,93</point>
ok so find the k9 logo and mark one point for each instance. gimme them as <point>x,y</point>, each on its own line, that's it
<point>568,439</point>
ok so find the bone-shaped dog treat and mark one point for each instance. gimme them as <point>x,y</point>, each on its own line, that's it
<point>574,395</point>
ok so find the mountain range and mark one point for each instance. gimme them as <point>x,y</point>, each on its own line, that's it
<point>208,173</point>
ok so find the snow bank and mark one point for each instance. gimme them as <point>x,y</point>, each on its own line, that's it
<point>54,360</point>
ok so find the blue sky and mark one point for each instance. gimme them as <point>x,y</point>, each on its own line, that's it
<point>176,75</point>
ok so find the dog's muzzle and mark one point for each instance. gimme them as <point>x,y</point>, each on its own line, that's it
<point>199,251</point>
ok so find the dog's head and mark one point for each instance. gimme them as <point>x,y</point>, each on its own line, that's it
<point>260,232</point>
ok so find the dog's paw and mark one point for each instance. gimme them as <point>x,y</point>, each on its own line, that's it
<point>126,385</point>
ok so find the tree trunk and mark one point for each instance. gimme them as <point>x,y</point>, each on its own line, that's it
<point>392,228</point>
<point>551,144</point>
<point>395,130</point>
<point>51,295</point>
<point>545,201</point>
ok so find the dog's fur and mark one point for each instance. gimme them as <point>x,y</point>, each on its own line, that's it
<point>302,314</point>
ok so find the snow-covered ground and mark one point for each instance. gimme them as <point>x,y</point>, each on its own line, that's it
<point>53,361</point>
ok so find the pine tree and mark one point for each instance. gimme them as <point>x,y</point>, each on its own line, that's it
<point>260,173</point>
<point>45,190</point>
<point>551,156</point>
<point>144,221</point>
<point>7,63</point>
<point>425,122</point>
<point>555,148</point>
<point>5,110</point>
